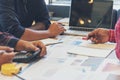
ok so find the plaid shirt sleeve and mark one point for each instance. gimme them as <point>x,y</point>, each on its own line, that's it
<point>117,38</point>
<point>7,40</point>
<point>112,35</point>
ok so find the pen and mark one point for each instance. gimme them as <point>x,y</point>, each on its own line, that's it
<point>18,76</point>
<point>84,38</point>
<point>54,43</point>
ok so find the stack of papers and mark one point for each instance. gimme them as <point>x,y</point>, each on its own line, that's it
<point>89,49</point>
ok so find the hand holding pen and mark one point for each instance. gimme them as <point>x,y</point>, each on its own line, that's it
<point>99,35</point>
<point>6,54</point>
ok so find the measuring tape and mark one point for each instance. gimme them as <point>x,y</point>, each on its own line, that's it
<point>10,69</point>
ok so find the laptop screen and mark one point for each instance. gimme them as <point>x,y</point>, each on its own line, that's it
<point>91,14</point>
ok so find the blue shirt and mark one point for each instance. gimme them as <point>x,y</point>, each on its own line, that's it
<point>16,15</point>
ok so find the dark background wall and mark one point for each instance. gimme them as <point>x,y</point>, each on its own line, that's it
<point>59,11</point>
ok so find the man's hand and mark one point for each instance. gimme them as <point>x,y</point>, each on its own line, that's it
<point>7,49</point>
<point>99,35</point>
<point>31,46</point>
<point>55,29</point>
<point>6,57</point>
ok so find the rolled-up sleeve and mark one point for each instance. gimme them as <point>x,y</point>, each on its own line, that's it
<point>8,19</point>
<point>8,40</point>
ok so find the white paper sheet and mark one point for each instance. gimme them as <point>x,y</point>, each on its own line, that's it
<point>110,65</point>
<point>72,73</point>
<point>89,51</point>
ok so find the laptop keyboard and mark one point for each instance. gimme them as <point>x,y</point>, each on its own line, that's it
<point>76,32</point>
<point>81,29</point>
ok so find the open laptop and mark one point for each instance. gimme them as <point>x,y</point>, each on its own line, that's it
<point>87,15</point>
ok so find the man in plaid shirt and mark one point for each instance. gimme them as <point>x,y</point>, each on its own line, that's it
<point>17,44</point>
<point>101,35</point>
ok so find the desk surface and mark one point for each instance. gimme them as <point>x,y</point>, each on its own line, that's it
<point>58,65</point>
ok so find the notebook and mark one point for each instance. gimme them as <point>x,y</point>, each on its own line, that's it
<point>87,15</point>
<point>87,48</point>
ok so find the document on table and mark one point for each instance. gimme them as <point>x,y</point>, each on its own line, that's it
<point>96,50</point>
<point>111,66</point>
<point>78,74</point>
<point>89,44</point>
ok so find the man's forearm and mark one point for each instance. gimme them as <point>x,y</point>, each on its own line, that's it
<point>31,35</point>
